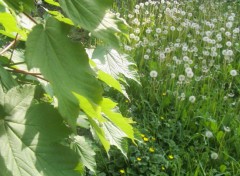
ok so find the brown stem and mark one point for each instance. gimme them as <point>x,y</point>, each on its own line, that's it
<point>9,46</point>
<point>16,63</point>
<point>13,46</point>
<point>28,73</point>
<point>31,18</point>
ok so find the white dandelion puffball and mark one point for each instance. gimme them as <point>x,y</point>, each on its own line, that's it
<point>233,73</point>
<point>226,129</point>
<point>208,134</point>
<point>173,75</point>
<point>158,30</point>
<point>181,78</point>
<point>146,57</point>
<point>153,73</point>
<point>214,155</point>
<point>228,43</point>
<point>188,69</point>
<point>190,74</point>
<point>192,99</point>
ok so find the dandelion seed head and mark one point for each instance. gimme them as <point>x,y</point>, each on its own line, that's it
<point>233,73</point>
<point>214,155</point>
<point>192,99</point>
<point>208,134</point>
<point>153,74</point>
<point>226,129</point>
<point>181,78</point>
<point>146,57</point>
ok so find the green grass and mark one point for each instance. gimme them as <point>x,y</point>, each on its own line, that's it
<point>188,111</point>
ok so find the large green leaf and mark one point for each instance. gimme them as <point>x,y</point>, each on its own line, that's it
<point>94,16</point>
<point>52,2</point>
<point>106,77</point>
<point>114,63</point>
<point>17,100</point>
<point>31,138</point>
<point>65,65</point>
<point>11,28</point>
<point>100,133</point>
<point>85,151</point>
<point>7,79</point>
<point>116,118</point>
<point>110,80</point>
<point>115,136</point>
<point>21,5</point>
<point>112,127</point>
<point>59,16</point>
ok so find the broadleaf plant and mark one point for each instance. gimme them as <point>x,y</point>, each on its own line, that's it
<point>31,136</point>
<point>39,133</point>
<point>95,17</point>
<point>69,66</point>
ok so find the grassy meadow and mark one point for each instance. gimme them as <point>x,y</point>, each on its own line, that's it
<point>187,107</point>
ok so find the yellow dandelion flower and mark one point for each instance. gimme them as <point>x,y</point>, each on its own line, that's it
<point>162,118</point>
<point>142,135</point>
<point>122,171</point>
<point>139,159</point>
<point>151,149</point>
<point>170,157</point>
<point>145,139</point>
<point>164,93</point>
<point>163,168</point>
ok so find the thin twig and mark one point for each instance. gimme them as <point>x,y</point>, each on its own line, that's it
<point>16,63</point>
<point>31,18</point>
<point>10,45</point>
<point>14,45</point>
<point>27,73</point>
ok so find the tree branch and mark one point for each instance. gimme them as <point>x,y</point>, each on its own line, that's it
<point>10,45</point>
<point>37,75</point>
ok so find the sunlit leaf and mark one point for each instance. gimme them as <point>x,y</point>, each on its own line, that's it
<point>106,77</point>
<point>109,80</point>
<point>100,133</point>
<point>95,17</point>
<point>112,62</point>
<point>52,2</point>
<point>31,138</point>
<point>85,151</point>
<point>59,16</point>
<point>65,65</point>
<point>116,118</point>
<point>115,137</point>
<point>11,29</point>
<point>21,5</point>
<point>92,110</point>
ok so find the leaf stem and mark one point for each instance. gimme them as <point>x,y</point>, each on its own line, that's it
<point>17,63</point>
<point>31,18</point>
<point>13,46</point>
<point>10,45</point>
<point>37,75</point>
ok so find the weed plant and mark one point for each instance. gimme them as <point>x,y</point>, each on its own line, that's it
<point>188,105</point>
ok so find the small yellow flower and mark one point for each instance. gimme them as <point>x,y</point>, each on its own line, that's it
<point>142,135</point>
<point>122,171</point>
<point>145,139</point>
<point>170,157</point>
<point>139,159</point>
<point>164,93</point>
<point>151,149</point>
<point>162,118</point>
<point>163,168</point>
